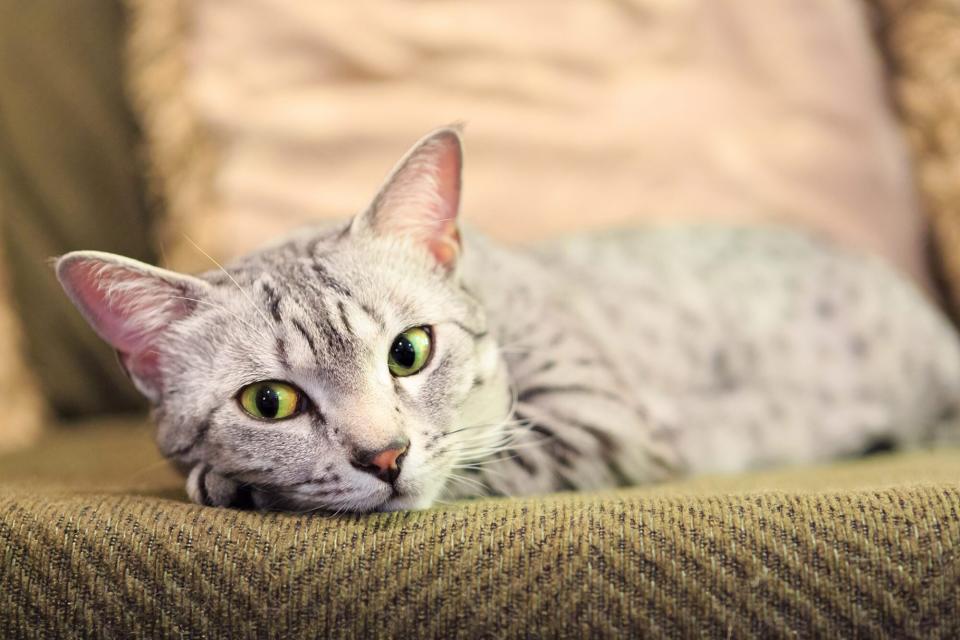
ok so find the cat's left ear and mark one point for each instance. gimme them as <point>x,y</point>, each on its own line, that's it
<point>131,305</point>
<point>421,197</point>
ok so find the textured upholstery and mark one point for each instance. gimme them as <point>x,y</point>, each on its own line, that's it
<point>70,178</point>
<point>98,541</point>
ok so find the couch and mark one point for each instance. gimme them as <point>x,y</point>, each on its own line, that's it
<point>97,538</point>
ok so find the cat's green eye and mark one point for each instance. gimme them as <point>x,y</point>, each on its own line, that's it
<point>270,400</point>
<point>409,352</point>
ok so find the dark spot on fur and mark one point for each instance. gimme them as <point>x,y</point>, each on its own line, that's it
<point>948,413</point>
<point>777,411</point>
<point>722,370</point>
<point>318,415</point>
<point>528,394</point>
<point>520,461</point>
<point>476,334</point>
<point>859,346</point>
<point>880,445</point>
<point>826,308</point>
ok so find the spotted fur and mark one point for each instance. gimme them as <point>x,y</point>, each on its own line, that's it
<point>622,358</point>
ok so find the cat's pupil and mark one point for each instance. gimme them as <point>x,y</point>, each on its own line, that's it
<point>403,352</point>
<point>268,402</point>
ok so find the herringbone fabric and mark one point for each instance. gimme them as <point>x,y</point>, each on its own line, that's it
<point>920,40</point>
<point>125,556</point>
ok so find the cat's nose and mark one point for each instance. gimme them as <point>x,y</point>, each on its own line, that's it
<point>384,463</point>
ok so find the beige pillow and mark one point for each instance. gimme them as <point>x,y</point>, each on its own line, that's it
<point>23,408</point>
<point>270,113</point>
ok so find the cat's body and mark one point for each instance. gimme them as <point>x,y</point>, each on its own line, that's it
<point>639,355</point>
<point>610,359</point>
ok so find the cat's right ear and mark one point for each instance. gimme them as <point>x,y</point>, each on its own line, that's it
<point>130,305</point>
<point>420,199</point>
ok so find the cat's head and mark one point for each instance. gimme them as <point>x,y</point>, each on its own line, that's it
<point>345,368</point>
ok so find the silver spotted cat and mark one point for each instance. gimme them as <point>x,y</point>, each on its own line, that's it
<point>387,363</point>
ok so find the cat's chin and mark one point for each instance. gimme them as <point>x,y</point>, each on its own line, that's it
<point>409,502</point>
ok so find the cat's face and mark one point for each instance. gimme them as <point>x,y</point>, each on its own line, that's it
<point>344,369</point>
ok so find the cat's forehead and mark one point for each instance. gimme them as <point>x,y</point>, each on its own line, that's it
<point>364,288</point>
<point>366,271</point>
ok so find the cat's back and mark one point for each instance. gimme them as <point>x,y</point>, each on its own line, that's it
<point>709,309</point>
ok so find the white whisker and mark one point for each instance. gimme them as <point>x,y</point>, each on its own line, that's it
<point>232,279</point>
<point>232,314</point>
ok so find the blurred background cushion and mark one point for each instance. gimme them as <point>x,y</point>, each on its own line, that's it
<point>921,42</point>
<point>264,115</point>
<point>23,411</point>
<point>70,178</point>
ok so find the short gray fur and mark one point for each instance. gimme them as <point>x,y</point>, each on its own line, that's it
<point>616,358</point>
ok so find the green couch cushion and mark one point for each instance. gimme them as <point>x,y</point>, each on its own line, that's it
<point>71,177</point>
<point>97,540</point>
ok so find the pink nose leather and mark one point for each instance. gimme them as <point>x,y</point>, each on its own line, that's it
<point>384,464</point>
<point>387,459</point>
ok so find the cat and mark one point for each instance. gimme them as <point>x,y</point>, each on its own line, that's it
<point>386,363</point>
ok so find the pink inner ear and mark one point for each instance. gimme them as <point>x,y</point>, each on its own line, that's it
<point>445,243</point>
<point>447,176</point>
<point>423,197</point>
<point>102,292</point>
<point>128,308</point>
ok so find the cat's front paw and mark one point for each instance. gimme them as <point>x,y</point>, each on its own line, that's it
<point>206,487</point>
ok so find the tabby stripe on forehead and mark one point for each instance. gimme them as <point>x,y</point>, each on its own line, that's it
<point>329,281</point>
<point>332,335</point>
<point>273,301</point>
<point>306,336</point>
<point>282,354</point>
<point>343,316</point>
<point>374,315</point>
